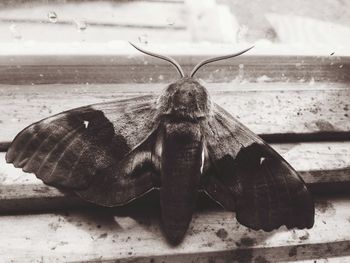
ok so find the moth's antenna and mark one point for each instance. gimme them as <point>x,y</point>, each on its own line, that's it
<point>204,62</point>
<point>169,59</point>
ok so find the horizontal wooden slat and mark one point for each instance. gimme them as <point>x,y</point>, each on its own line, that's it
<point>325,167</point>
<point>214,236</point>
<point>114,68</point>
<point>266,108</point>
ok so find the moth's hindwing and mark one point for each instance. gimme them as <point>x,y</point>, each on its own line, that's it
<point>247,176</point>
<point>84,148</point>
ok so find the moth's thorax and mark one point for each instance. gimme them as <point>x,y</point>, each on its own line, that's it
<point>186,99</point>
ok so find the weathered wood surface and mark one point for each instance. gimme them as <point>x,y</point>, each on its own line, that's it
<point>117,68</point>
<point>214,236</point>
<point>127,234</point>
<point>325,167</point>
<point>266,108</point>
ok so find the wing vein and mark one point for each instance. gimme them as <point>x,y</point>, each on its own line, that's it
<point>76,161</point>
<point>48,155</point>
<point>24,148</point>
<point>34,154</point>
<point>62,154</point>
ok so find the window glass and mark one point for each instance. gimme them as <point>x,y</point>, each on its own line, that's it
<point>101,26</point>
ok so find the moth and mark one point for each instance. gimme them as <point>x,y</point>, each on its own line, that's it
<point>180,143</point>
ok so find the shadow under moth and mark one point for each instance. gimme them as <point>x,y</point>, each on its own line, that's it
<point>180,143</point>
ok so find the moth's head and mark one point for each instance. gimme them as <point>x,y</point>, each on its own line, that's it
<point>186,98</point>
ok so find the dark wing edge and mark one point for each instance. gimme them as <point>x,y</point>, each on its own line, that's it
<point>247,176</point>
<point>84,148</point>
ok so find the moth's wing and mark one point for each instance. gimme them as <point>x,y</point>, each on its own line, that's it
<point>246,175</point>
<point>121,182</point>
<point>83,148</point>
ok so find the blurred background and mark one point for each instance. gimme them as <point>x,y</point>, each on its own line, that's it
<point>84,25</point>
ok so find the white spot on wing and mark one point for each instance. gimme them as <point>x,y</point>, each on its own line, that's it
<point>202,165</point>
<point>86,123</point>
<point>262,159</point>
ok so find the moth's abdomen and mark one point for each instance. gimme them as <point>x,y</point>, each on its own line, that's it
<point>180,173</point>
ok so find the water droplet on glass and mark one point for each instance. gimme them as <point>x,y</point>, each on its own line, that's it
<point>143,39</point>
<point>15,31</point>
<point>52,16</point>
<point>81,25</point>
<point>242,33</point>
<point>170,21</point>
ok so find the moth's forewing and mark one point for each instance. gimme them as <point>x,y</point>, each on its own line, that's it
<point>266,192</point>
<point>84,146</point>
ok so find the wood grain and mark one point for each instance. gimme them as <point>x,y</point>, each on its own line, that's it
<point>325,167</point>
<point>214,236</point>
<point>113,68</point>
<point>266,108</point>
